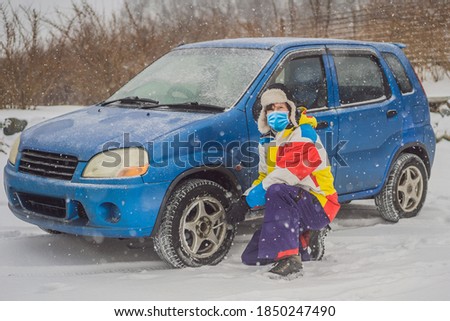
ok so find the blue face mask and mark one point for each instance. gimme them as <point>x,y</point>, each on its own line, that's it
<point>278,120</point>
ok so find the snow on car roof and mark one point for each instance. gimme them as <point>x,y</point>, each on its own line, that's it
<point>273,43</point>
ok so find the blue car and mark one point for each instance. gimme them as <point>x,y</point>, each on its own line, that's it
<point>167,153</point>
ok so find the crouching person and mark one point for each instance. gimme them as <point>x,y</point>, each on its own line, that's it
<point>295,185</point>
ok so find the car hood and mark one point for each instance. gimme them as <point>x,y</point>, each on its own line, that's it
<point>86,132</point>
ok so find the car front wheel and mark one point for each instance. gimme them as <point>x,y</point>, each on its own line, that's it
<point>194,230</point>
<point>405,191</point>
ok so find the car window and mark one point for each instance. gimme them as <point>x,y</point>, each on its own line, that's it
<point>360,78</point>
<point>404,83</point>
<point>305,78</point>
<point>217,76</point>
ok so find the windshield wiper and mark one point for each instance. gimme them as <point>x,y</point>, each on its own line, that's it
<point>130,100</point>
<point>195,103</point>
<point>191,105</point>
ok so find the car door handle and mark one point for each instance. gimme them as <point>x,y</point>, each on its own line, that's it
<point>391,113</point>
<point>322,125</point>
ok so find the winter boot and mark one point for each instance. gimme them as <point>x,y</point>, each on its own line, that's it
<point>288,268</point>
<point>317,243</point>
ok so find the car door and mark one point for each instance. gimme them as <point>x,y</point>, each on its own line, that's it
<point>306,73</point>
<point>369,120</point>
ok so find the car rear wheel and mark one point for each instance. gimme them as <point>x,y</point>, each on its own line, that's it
<point>405,191</point>
<point>194,230</point>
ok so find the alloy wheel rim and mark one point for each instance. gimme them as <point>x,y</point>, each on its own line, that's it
<point>203,227</point>
<point>410,189</point>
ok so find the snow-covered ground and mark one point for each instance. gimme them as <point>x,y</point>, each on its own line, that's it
<point>437,89</point>
<point>366,258</point>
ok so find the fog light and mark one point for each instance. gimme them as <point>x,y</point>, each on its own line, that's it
<point>109,212</point>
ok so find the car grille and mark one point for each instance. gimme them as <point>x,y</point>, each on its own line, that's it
<point>48,164</point>
<point>48,206</point>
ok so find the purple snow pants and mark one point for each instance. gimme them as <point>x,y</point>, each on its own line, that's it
<point>289,212</point>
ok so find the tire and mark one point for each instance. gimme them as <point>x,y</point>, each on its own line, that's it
<point>317,243</point>
<point>405,191</point>
<point>194,230</point>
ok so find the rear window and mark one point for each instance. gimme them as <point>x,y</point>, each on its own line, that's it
<point>403,82</point>
<point>360,79</point>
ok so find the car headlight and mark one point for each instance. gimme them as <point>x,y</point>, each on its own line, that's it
<point>14,151</point>
<point>124,162</point>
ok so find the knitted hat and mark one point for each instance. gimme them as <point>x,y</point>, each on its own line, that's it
<point>272,96</point>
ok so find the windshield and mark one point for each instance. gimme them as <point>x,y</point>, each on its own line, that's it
<point>214,76</point>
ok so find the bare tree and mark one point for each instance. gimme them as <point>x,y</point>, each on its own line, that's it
<point>292,16</point>
<point>321,16</point>
<point>85,57</point>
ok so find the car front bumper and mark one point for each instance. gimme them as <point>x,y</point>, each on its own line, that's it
<point>120,208</point>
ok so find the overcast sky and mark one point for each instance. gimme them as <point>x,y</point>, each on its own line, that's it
<point>48,6</point>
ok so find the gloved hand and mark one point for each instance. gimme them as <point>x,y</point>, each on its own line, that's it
<point>257,196</point>
<point>237,210</point>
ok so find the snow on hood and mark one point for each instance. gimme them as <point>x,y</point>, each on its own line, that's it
<point>84,133</point>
